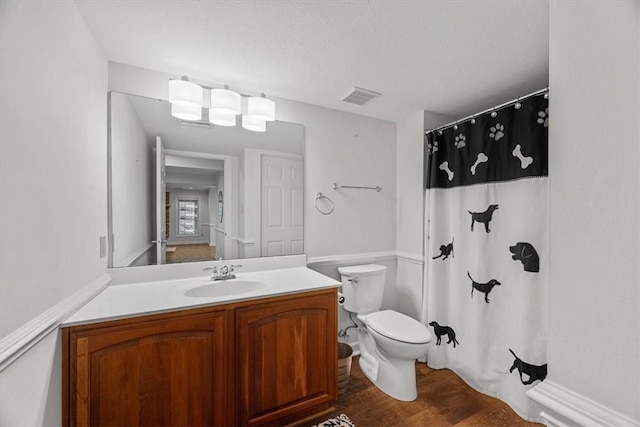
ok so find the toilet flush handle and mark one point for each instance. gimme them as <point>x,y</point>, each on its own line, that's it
<point>354,280</point>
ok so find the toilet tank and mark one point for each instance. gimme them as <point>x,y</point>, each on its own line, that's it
<point>362,287</point>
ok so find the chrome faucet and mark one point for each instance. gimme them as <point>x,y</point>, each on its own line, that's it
<point>226,272</point>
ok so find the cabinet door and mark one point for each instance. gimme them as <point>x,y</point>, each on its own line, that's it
<point>160,373</point>
<point>286,358</point>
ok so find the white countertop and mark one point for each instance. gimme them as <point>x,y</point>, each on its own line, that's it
<point>138,299</point>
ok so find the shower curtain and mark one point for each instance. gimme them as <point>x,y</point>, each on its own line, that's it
<point>486,250</point>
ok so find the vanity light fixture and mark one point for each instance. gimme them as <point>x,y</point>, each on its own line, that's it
<point>253,124</point>
<point>184,92</point>
<point>261,108</point>
<point>186,112</point>
<point>187,102</point>
<point>226,101</point>
<point>221,119</point>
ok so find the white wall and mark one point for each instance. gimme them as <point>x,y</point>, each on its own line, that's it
<point>339,147</point>
<point>132,185</point>
<point>594,152</point>
<point>410,207</point>
<point>53,158</point>
<point>350,150</point>
<point>53,180</point>
<point>31,387</point>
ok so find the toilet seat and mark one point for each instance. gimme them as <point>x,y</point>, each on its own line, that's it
<point>398,327</point>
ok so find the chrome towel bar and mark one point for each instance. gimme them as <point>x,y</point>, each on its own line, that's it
<point>337,186</point>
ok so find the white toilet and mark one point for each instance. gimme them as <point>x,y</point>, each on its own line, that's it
<point>389,342</point>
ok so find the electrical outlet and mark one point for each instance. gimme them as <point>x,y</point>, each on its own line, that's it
<point>103,246</point>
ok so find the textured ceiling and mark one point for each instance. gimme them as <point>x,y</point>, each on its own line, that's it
<point>449,57</point>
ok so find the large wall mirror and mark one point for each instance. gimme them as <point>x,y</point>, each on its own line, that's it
<point>191,191</point>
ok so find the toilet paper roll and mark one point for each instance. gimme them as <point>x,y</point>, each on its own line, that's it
<point>340,299</point>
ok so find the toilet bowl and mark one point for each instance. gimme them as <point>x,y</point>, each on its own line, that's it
<point>389,342</point>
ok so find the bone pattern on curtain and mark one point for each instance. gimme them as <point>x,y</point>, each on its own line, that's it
<point>486,251</point>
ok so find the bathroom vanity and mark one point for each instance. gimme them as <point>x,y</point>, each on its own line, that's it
<point>149,353</point>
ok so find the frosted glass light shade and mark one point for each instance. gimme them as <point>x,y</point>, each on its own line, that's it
<point>186,112</point>
<point>261,108</point>
<point>226,101</point>
<point>183,92</point>
<point>253,124</point>
<point>221,119</point>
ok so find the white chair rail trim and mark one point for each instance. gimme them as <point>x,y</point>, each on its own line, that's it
<point>562,407</point>
<point>22,339</point>
<point>133,258</point>
<point>411,258</point>
<point>350,258</point>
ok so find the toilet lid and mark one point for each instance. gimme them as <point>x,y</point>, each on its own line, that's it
<point>399,327</point>
<point>361,270</point>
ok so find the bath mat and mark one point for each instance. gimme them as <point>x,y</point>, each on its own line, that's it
<point>340,421</point>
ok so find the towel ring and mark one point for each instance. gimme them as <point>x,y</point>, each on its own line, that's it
<point>320,196</point>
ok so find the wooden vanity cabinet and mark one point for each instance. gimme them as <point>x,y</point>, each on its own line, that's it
<point>286,359</point>
<point>157,370</point>
<point>264,362</point>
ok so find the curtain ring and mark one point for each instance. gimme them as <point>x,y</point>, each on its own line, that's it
<point>320,196</point>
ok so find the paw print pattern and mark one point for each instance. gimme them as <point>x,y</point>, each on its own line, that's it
<point>432,147</point>
<point>543,117</point>
<point>460,141</point>
<point>496,131</point>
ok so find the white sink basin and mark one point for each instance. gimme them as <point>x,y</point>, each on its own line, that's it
<point>224,288</point>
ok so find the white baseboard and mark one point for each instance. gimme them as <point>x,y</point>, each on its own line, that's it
<point>562,407</point>
<point>22,339</point>
<point>368,257</point>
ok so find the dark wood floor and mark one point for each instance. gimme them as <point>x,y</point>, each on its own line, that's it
<point>443,400</point>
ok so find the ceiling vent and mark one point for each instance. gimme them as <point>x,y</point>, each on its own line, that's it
<point>195,123</point>
<point>360,96</point>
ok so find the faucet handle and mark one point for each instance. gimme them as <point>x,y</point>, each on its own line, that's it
<point>215,270</point>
